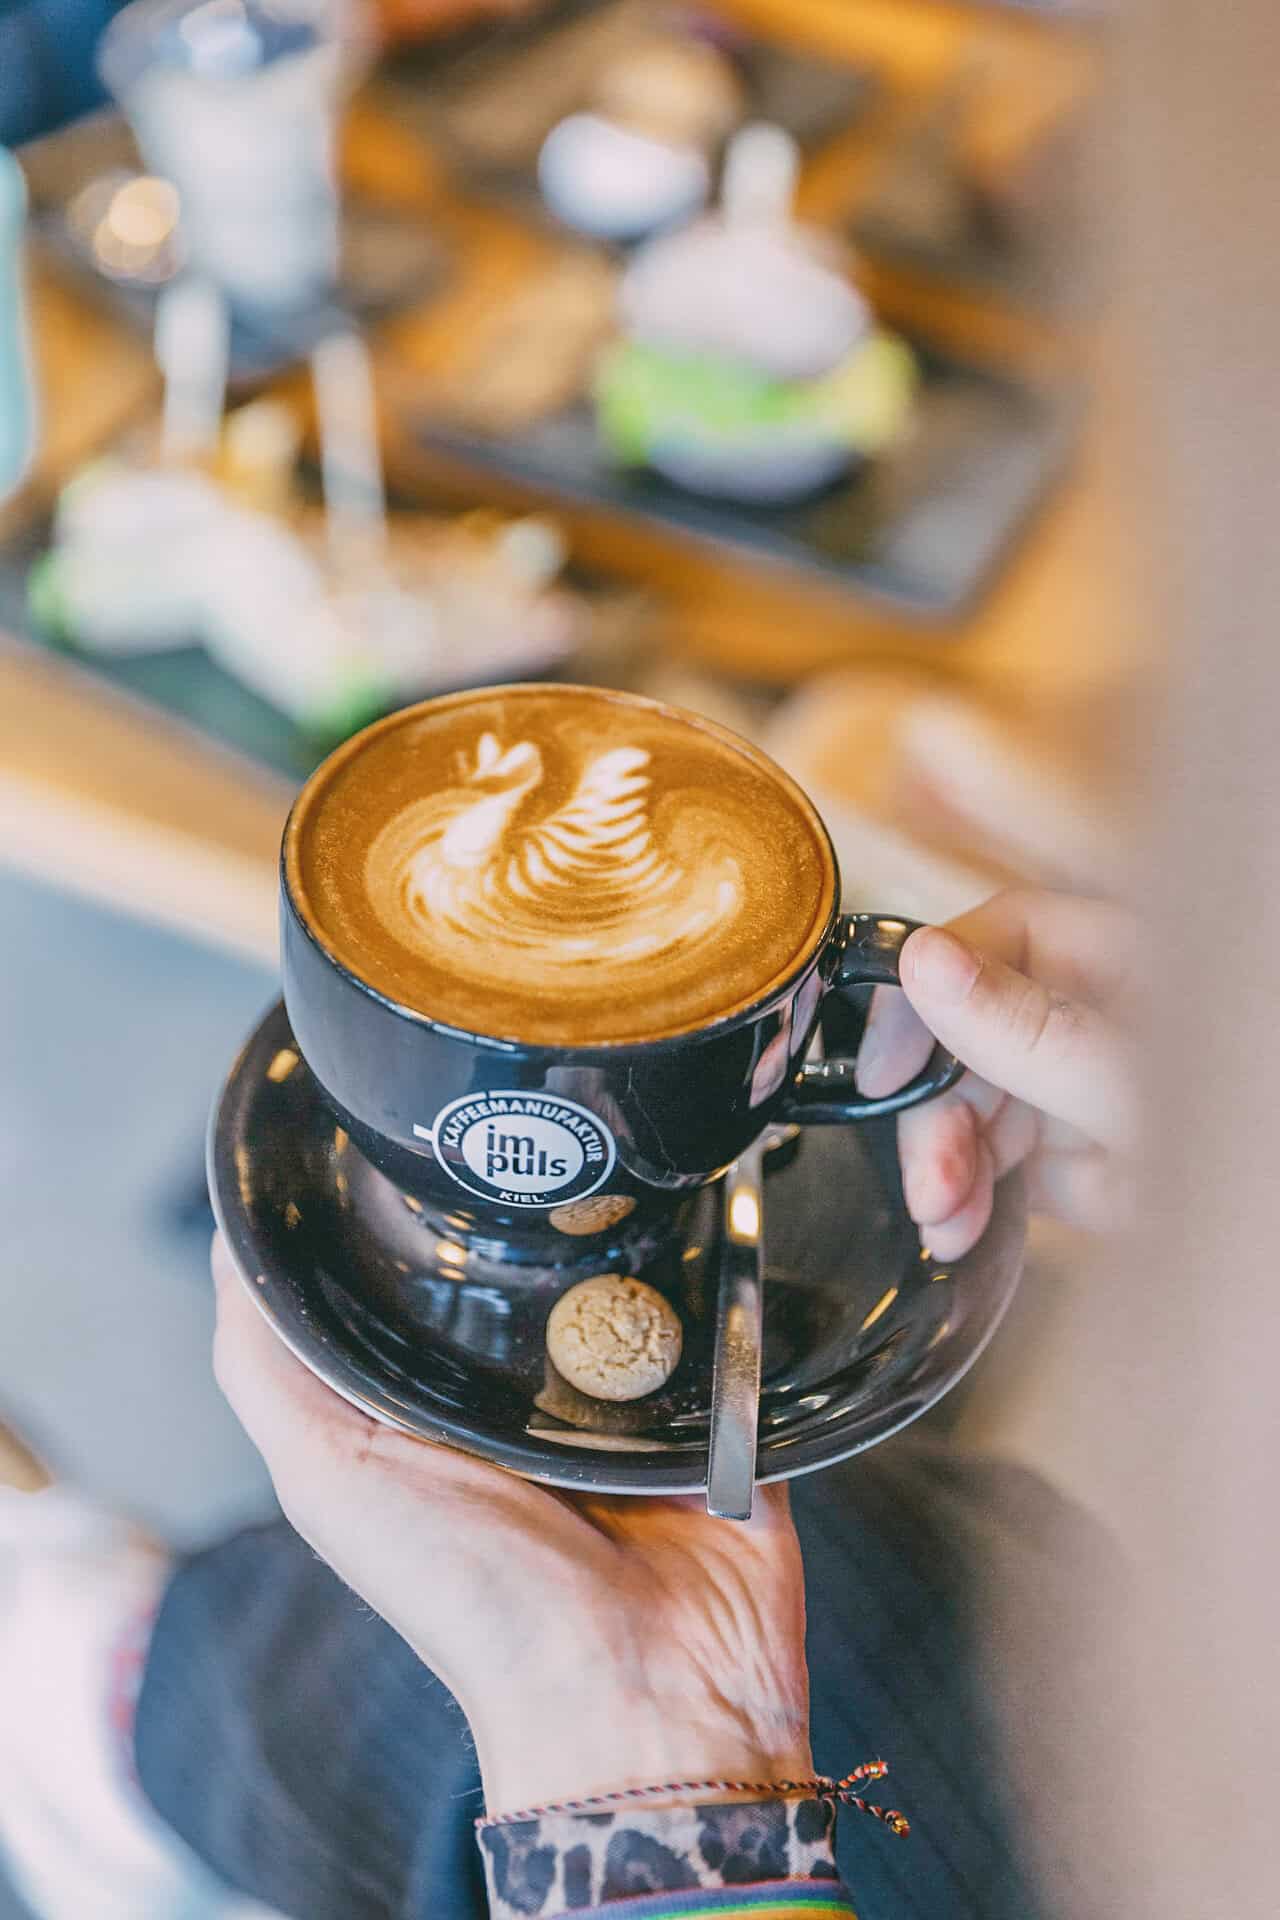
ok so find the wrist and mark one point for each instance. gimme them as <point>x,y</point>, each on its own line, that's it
<point>605,1700</point>
<point>571,1754</point>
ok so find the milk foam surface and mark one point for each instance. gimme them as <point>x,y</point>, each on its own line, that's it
<point>559,865</point>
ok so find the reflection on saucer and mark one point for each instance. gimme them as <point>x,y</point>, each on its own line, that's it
<point>592,1215</point>
<point>604,1442</point>
<point>862,1334</point>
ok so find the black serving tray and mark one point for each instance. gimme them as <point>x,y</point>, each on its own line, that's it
<point>922,529</point>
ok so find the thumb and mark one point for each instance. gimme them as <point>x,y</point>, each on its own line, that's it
<point>1057,1054</point>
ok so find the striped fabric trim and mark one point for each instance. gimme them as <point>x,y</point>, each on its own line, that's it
<point>772,1901</point>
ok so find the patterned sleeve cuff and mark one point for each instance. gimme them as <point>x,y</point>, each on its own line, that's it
<point>571,1863</point>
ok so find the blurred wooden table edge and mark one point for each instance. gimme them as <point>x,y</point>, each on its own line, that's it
<point>99,796</point>
<point>916,42</point>
<point>1055,614</point>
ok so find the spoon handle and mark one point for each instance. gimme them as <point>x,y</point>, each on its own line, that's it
<point>735,1379</point>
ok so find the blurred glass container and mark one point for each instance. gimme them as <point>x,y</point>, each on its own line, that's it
<point>17,401</point>
<point>237,102</point>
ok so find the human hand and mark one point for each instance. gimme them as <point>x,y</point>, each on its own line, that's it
<point>592,1642</point>
<point>1024,990</point>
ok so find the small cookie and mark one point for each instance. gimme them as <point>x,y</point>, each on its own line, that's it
<point>614,1337</point>
<point>592,1215</point>
<point>680,90</point>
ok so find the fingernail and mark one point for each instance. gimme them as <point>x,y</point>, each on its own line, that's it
<point>936,963</point>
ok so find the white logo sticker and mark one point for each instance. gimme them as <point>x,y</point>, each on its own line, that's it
<point>521,1149</point>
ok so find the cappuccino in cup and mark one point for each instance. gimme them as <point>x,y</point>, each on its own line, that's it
<point>558,866</point>
<point>555,956</point>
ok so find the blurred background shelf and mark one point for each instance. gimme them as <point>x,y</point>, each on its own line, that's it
<point>1019,591</point>
<point>488,98</point>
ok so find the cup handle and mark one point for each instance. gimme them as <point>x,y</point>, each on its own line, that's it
<point>825,1092</point>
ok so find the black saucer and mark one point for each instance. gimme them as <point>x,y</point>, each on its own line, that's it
<point>862,1331</point>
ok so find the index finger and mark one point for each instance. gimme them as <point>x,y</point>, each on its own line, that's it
<point>1086,949</point>
<point>1057,1054</point>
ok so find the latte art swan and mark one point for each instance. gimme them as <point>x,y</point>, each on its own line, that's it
<point>483,874</point>
<point>559,866</point>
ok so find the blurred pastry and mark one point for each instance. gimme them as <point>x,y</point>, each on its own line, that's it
<point>613,183</point>
<point>841,736</point>
<point>526,357</point>
<point>681,90</point>
<point>1047,792</point>
<point>636,161</point>
<point>939,794</point>
<point>750,367</point>
<point>149,559</point>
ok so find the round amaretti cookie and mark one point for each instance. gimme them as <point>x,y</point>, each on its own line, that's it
<point>614,1337</point>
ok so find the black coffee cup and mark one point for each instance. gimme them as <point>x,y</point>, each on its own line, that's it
<point>539,1147</point>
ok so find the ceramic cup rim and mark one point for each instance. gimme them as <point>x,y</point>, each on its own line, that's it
<point>739,1015</point>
